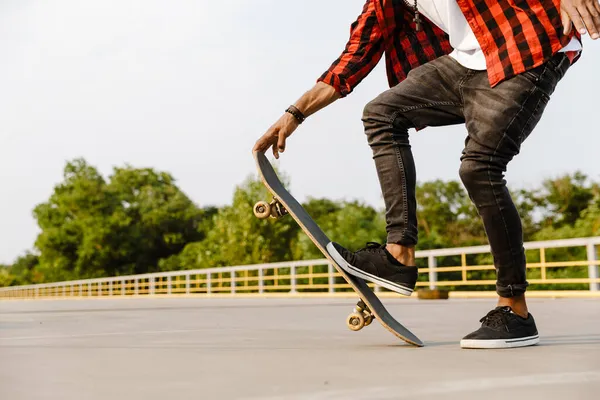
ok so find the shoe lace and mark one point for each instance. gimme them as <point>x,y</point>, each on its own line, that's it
<point>497,318</point>
<point>371,247</point>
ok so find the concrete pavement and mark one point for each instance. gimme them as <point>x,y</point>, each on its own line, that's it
<point>286,349</point>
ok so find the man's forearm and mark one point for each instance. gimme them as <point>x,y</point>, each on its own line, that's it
<point>320,96</point>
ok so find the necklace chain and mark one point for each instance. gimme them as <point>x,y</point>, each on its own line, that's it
<point>417,18</point>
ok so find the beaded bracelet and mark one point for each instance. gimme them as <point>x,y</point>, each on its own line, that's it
<point>296,113</point>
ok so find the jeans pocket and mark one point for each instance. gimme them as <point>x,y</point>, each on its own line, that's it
<point>535,74</point>
<point>555,66</point>
<point>533,109</point>
<point>560,64</point>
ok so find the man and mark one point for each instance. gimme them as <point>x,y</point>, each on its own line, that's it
<point>491,65</point>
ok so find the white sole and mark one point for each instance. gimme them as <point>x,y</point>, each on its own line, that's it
<point>364,275</point>
<point>499,343</point>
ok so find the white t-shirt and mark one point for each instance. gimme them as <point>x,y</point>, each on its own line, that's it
<point>447,15</point>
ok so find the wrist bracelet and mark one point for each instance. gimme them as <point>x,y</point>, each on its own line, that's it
<point>296,113</point>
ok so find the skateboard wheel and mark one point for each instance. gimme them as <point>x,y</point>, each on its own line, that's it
<point>262,210</point>
<point>355,321</point>
<point>368,319</point>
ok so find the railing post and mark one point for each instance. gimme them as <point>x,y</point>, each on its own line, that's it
<point>89,289</point>
<point>110,288</point>
<point>187,284</point>
<point>232,276</point>
<point>208,283</point>
<point>330,272</point>
<point>432,264</point>
<point>592,256</point>
<point>261,281</point>
<point>136,286</point>
<point>151,286</point>
<point>293,279</point>
<point>169,284</point>
<point>122,287</point>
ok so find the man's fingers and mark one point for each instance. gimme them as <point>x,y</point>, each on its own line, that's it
<point>261,145</point>
<point>257,146</point>
<point>281,142</point>
<point>266,140</point>
<point>579,25</point>
<point>568,7</point>
<point>275,137</point>
<point>595,17</point>
<point>566,22</point>
<point>588,21</point>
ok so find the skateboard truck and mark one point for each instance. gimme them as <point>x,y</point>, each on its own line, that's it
<point>274,209</point>
<point>360,317</point>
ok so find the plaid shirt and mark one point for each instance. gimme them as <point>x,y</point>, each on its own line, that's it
<point>515,36</point>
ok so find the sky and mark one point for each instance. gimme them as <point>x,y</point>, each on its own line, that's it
<point>188,86</point>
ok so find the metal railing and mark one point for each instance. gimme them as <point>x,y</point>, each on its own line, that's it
<point>557,264</point>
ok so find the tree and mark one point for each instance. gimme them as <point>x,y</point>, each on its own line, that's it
<point>351,224</point>
<point>587,225</point>
<point>137,221</point>
<point>237,237</point>
<point>560,202</point>
<point>190,256</point>
<point>446,216</point>
<point>24,269</point>
<point>6,278</point>
<point>94,228</point>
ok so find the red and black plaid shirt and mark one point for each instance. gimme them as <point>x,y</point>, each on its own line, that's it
<point>515,36</point>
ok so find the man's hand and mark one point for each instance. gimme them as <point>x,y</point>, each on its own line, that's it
<point>584,14</point>
<point>320,96</point>
<point>277,135</point>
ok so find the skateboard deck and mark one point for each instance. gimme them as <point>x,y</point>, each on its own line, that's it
<point>370,306</point>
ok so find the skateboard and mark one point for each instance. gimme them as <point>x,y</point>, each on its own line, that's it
<point>369,306</point>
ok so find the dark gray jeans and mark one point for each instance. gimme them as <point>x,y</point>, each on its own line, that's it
<point>498,120</point>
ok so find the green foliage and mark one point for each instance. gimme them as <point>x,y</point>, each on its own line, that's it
<point>138,221</point>
<point>446,216</point>
<point>561,202</point>
<point>92,227</point>
<point>24,269</point>
<point>21,272</point>
<point>351,224</point>
<point>6,278</point>
<point>588,224</point>
<point>237,237</point>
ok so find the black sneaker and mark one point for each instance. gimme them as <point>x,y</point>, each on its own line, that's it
<point>375,264</point>
<point>501,328</point>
